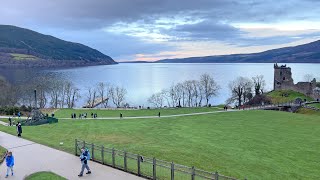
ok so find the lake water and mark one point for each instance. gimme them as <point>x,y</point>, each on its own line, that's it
<point>142,80</point>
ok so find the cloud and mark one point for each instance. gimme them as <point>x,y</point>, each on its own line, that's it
<point>165,28</point>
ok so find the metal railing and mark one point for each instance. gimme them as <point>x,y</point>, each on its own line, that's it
<point>150,168</point>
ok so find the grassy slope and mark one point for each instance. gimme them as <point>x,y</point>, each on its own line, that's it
<point>308,112</point>
<point>276,96</point>
<point>317,105</point>
<point>252,144</point>
<point>44,175</point>
<point>2,153</point>
<point>17,56</point>
<point>66,113</point>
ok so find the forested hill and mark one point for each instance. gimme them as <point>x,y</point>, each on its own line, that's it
<point>306,53</point>
<point>24,47</point>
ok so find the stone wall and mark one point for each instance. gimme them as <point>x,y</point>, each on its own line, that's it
<point>283,81</point>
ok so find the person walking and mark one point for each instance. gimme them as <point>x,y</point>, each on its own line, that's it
<point>84,158</point>
<point>19,129</point>
<point>9,163</point>
<point>10,121</point>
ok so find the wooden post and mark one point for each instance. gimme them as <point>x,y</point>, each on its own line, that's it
<point>76,147</point>
<point>92,148</point>
<point>216,175</point>
<point>102,154</point>
<point>139,170</point>
<point>125,161</point>
<point>113,158</point>
<point>154,169</point>
<point>193,173</point>
<point>84,144</point>
<point>172,171</point>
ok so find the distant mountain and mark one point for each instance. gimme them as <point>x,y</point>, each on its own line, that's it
<point>23,47</point>
<point>307,53</point>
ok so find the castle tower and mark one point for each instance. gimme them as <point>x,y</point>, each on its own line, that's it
<point>282,77</point>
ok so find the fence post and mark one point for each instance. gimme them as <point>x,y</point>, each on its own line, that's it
<point>92,148</point>
<point>76,147</point>
<point>84,144</point>
<point>102,154</point>
<point>125,161</point>
<point>113,158</point>
<point>216,176</point>
<point>139,170</point>
<point>172,171</point>
<point>193,173</point>
<point>154,169</point>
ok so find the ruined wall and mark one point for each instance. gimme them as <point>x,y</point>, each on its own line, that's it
<point>283,81</point>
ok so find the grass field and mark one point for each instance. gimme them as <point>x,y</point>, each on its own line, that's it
<point>66,113</point>
<point>17,56</point>
<point>317,105</point>
<point>277,96</point>
<point>2,153</point>
<point>308,112</point>
<point>252,144</point>
<point>44,175</point>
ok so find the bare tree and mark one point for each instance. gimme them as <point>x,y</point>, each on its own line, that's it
<point>238,88</point>
<point>104,93</point>
<point>72,94</point>
<point>118,95</point>
<point>308,77</point>
<point>209,86</point>
<point>259,84</point>
<point>157,99</point>
<point>91,96</point>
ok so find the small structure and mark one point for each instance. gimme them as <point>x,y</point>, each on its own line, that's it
<point>37,117</point>
<point>283,81</point>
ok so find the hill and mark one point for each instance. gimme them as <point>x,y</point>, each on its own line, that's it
<point>24,47</point>
<point>306,53</point>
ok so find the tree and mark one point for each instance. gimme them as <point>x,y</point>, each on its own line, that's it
<point>156,99</point>
<point>308,77</point>
<point>72,94</point>
<point>209,86</point>
<point>118,95</point>
<point>240,88</point>
<point>259,84</point>
<point>104,93</point>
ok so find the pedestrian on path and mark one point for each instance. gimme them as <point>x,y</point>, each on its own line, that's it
<point>19,129</point>
<point>10,163</point>
<point>84,158</point>
<point>10,121</point>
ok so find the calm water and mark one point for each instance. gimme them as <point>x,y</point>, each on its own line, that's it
<point>142,80</point>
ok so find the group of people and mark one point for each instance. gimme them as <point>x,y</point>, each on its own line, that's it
<point>83,115</point>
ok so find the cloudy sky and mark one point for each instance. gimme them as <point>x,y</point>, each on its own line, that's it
<point>159,29</point>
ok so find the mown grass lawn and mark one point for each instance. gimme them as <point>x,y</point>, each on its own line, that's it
<point>44,175</point>
<point>252,144</point>
<point>2,154</point>
<point>283,96</point>
<point>66,113</point>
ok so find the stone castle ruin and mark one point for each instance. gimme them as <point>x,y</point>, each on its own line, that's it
<point>283,81</point>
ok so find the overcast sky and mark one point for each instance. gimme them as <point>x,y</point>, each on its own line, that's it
<point>159,29</point>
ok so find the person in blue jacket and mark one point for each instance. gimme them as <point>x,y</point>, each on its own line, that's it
<point>10,163</point>
<point>84,158</point>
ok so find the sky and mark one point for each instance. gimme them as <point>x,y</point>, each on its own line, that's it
<point>148,30</point>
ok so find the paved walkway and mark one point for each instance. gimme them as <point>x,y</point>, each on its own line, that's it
<point>31,157</point>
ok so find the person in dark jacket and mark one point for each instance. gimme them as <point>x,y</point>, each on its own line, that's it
<point>84,158</point>
<point>19,129</point>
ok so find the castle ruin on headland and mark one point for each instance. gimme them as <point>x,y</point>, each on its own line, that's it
<point>283,81</point>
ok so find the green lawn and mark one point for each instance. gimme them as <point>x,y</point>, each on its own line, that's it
<point>252,144</point>
<point>17,56</point>
<point>276,96</point>
<point>66,113</point>
<point>2,153</point>
<point>44,175</point>
<point>317,105</point>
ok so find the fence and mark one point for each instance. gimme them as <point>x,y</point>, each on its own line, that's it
<point>150,168</point>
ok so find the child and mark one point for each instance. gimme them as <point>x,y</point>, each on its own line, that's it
<point>84,158</point>
<point>10,163</point>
